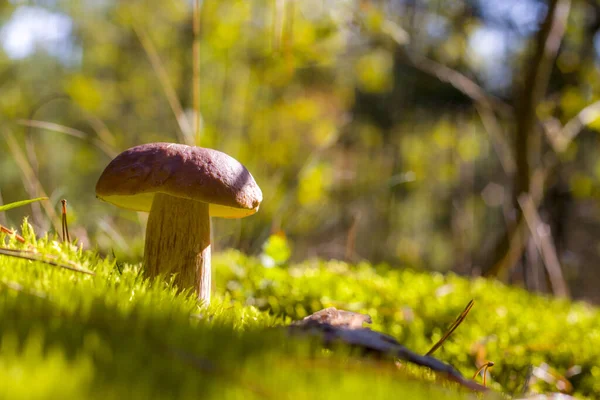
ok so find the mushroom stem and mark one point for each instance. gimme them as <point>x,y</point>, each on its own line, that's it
<point>178,242</point>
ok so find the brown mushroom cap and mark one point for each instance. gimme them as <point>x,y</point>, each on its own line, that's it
<point>210,176</point>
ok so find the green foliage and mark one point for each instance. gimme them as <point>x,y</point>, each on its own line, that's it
<point>278,89</point>
<point>68,335</point>
<point>318,100</point>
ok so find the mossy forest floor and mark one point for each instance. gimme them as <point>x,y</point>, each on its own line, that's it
<point>69,335</point>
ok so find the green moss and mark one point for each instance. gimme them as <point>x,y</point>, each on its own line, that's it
<point>511,327</point>
<point>65,335</point>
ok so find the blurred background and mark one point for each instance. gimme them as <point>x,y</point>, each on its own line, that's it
<point>432,134</point>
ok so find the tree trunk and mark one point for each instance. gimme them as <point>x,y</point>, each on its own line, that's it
<point>527,139</point>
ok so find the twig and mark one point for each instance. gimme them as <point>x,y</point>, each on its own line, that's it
<point>484,368</point>
<point>460,81</point>
<point>561,137</point>
<point>548,40</point>
<point>29,256</point>
<point>542,238</point>
<point>11,232</point>
<point>497,137</point>
<point>345,326</point>
<point>527,141</point>
<point>518,236</point>
<point>452,328</point>
<point>537,77</point>
<point>65,226</point>
<point>34,251</point>
<point>485,104</point>
<point>574,126</point>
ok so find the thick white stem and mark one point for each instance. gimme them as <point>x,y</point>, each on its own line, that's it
<point>178,242</point>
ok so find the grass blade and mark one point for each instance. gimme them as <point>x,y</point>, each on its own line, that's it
<point>31,181</point>
<point>21,203</point>
<point>103,146</point>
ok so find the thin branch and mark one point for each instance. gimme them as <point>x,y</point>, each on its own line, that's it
<point>65,226</point>
<point>497,137</point>
<point>461,82</point>
<point>561,138</point>
<point>485,104</point>
<point>11,232</point>
<point>452,328</point>
<point>549,40</point>
<point>519,235</point>
<point>542,238</point>
<point>334,325</point>
<point>537,77</point>
<point>32,250</point>
<point>526,141</point>
<point>484,368</point>
<point>33,257</point>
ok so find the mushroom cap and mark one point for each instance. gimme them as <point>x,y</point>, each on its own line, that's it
<point>133,177</point>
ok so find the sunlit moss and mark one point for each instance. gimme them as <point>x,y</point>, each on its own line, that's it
<point>68,335</point>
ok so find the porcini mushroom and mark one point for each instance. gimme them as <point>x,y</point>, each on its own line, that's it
<point>181,186</point>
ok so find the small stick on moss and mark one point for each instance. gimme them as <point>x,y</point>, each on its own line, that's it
<point>452,328</point>
<point>335,325</point>
<point>11,232</point>
<point>31,257</point>
<point>65,227</point>
<point>484,368</point>
<point>34,251</point>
